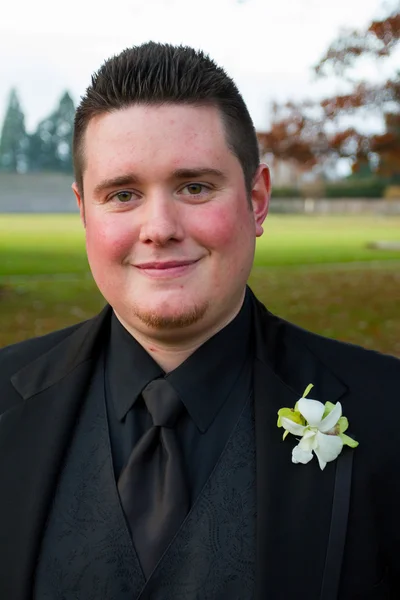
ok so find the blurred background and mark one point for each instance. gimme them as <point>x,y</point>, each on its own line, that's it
<point>322,83</point>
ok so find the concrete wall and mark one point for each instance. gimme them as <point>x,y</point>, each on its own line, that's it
<point>37,193</point>
<point>337,206</point>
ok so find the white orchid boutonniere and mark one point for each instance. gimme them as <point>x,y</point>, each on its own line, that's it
<point>321,428</point>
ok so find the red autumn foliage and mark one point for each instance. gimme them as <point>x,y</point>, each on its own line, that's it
<point>379,40</point>
<point>302,132</point>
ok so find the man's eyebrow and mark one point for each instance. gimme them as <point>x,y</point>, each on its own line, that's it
<point>113,182</point>
<point>200,172</point>
<point>132,179</point>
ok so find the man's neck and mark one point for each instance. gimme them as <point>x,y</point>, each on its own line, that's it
<point>170,354</point>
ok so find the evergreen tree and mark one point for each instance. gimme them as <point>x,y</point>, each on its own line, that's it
<point>50,147</point>
<point>14,140</point>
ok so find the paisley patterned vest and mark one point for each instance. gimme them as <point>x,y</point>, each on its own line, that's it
<point>87,552</point>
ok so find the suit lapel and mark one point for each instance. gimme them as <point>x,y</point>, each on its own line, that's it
<point>33,439</point>
<point>294,502</point>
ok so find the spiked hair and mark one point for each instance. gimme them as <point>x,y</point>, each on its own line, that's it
<point>155,74</point>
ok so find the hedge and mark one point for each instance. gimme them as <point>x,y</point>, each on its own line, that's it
<point>372,188</point>
<point>286,192</point>
<point>367,188</point>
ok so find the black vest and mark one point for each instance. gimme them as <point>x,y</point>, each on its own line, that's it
<point>87,552</point>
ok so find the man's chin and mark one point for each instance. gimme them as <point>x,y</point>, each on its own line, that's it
<point>165,318</point>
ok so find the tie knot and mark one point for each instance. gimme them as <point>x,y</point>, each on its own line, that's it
<point>163,403</point>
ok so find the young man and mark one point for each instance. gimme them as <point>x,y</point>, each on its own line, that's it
<point>139,451</point>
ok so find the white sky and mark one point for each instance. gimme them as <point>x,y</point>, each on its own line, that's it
<point>267,46</point>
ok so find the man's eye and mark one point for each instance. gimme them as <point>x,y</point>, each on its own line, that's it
<point>194,189</point>
<point>123,196</point>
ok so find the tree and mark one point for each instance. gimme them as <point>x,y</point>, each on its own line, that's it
<point>311,132</point>
<point>50,147</point>
<point>13,141</point>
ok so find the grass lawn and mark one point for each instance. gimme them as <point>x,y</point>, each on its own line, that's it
<point>315,271</point>
<point>47,244</point>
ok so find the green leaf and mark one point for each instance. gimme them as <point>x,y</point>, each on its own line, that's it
<point>348,441</point>
<point>285,434</point>
<point>343,424</point>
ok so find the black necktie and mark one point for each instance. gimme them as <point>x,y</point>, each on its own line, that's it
<point>152,486</point>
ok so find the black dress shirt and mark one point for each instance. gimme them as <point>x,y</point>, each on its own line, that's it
<point>214,384</point>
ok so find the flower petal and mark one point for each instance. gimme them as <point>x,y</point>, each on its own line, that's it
<point>291,414</point>
<point>293,427</point>
<point>330,420</point>
<point>328,449</point>
<point>309,441</point>
<point>343,424</point>
<point>348,441</point>
<point>301,456</point>
<point>329,406</point>
<point>312,411</point>
<point>308,390</point>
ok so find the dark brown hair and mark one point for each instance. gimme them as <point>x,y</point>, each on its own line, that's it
<point>161,73</point>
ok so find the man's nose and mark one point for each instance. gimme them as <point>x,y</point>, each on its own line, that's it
<point>161,221</point>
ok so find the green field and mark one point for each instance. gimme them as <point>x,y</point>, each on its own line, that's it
<point>47,244</point>
<point>315,271</point>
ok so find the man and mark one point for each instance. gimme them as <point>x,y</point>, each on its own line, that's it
<point>139,451</point>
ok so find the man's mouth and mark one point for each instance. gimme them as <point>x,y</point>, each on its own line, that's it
<point>165,264</point>
<point>166,268</point>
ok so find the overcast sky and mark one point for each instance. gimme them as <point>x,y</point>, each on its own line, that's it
<point>267,46</point>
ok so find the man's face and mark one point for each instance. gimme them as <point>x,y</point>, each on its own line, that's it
<point>170,235</point>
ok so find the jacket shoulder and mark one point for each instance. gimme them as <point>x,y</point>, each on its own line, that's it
<point>16,356</point>
<point>351,361</point>
<point>19,354</point>
<point>355,366</point>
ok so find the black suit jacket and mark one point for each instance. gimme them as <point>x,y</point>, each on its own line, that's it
<point>321,535</point>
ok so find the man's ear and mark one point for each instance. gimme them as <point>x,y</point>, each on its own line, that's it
<point>79,201</point>
<point>260,196</point>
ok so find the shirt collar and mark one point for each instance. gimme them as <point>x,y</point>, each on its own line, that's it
<point>128,368</point>
<point>203,382</point>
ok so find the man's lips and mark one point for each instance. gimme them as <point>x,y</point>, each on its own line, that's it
<point>162,265</point>
<point>166,269</point>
